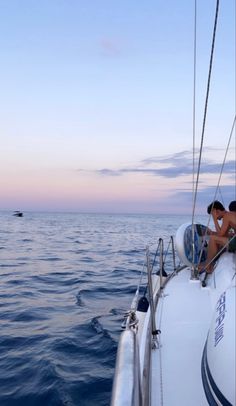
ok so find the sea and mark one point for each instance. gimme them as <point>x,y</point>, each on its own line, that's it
<point>66,280</point>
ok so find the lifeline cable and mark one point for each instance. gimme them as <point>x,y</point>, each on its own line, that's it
<point>194,114</point>
<point>218,184</point>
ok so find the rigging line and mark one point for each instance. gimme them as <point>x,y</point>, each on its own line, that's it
<point>221,197</point>
<point>206,105</point>
<point>218,184</point>
<point>194,88</point>
<point>235,99</point>
<point>220,251</point>
<point>194,116</point>
<point>226,152</point>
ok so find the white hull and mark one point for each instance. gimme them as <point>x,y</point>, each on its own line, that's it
<point>184,315</point>
<point>174,374</point>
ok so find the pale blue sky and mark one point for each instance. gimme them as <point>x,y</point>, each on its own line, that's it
<point>93,89</point>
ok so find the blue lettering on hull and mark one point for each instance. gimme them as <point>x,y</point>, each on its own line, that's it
<point>219,326</point>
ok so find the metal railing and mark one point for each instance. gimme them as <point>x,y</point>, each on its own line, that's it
<point>153,342</point>
<point>131,386</point>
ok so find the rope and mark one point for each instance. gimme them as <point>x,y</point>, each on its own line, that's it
<point>221,197</point>
<point>167,251</point>
<point>218,184</point>
<point>206,106</point>
<point>194,113</point>
<point>194,87</point>
<point>235,96</point>
<point>220,251</point>
<point>140,279</point>
<point>158,247</point>
<point>226,152</point>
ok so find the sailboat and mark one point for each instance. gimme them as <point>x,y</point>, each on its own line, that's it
<point>178,343</point>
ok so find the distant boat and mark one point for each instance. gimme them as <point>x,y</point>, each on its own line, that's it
<point>18,213</point>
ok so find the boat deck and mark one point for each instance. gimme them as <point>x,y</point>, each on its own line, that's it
<point>176,366</point>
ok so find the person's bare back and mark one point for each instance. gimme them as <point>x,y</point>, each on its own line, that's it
<point>229,221</point>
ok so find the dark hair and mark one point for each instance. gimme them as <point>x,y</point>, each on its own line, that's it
<point>215,205</point>
<point>232,205</point>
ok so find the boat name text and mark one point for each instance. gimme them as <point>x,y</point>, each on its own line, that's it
<point>219,328</point>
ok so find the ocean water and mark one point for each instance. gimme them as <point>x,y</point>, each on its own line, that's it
<point>66,281</point>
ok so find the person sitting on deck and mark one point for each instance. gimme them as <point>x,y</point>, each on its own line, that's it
<point>222,235</point>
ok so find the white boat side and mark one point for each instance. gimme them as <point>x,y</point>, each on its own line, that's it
<point>184,315</point>
<point>175,372</point>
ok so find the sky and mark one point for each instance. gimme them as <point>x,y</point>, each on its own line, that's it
<point>96,105</point>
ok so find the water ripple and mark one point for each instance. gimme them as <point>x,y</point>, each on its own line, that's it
<point>66,281</point>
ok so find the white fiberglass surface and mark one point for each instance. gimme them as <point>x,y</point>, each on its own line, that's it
<point>183,316</point>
